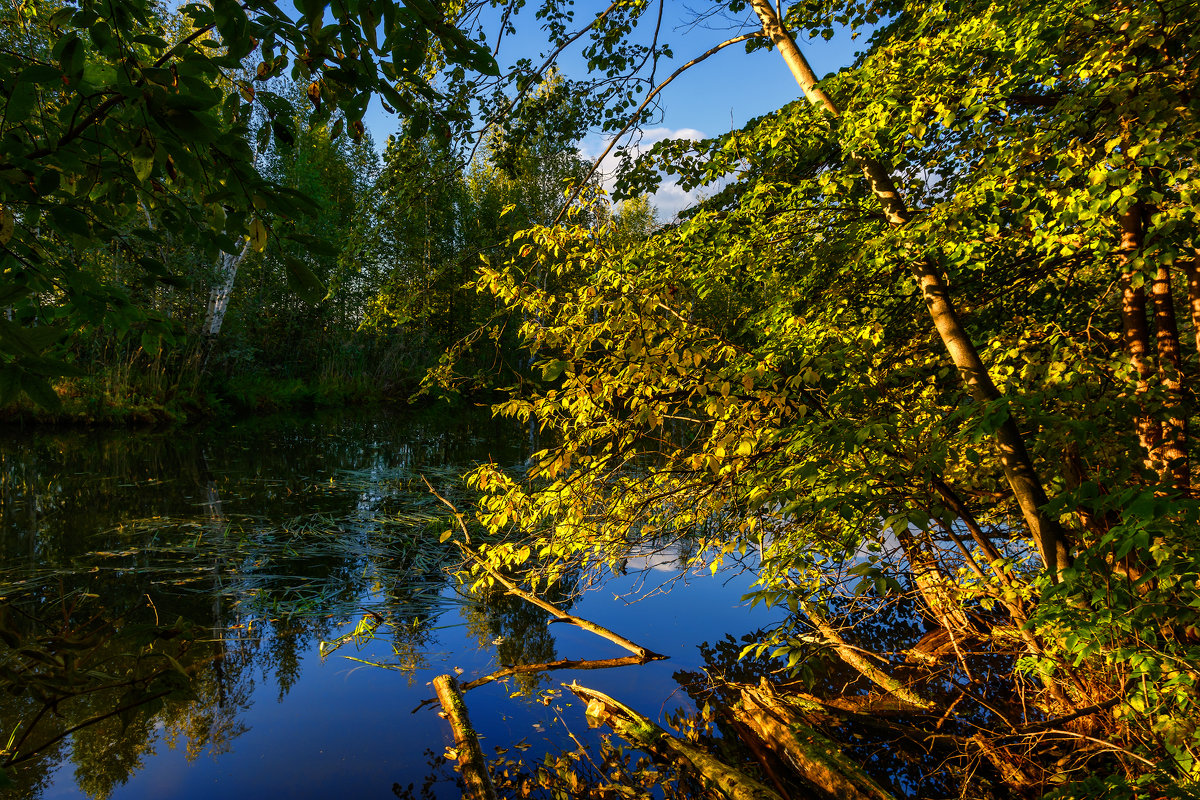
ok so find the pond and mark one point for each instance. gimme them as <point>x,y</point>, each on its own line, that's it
<point>256,609</point>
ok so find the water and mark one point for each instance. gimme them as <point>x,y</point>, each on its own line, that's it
<point>218,562</point>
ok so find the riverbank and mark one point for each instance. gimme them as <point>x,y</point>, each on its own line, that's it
<point>99,402</point>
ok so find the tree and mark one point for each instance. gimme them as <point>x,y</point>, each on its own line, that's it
<point>108,106</point>
<point>765,375</point>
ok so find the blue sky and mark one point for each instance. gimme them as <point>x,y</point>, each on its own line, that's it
<point>711,98</point>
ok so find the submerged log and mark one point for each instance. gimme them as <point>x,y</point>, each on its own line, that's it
<point>641,732</point>
<point>471,765</point>
<point>781,728</point>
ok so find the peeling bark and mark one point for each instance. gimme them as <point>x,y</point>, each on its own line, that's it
<point>1174,450</point>
<point>1192,270</point>
<point>218,299</point>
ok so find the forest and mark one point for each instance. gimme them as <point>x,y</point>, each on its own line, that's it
<point>924,350</point>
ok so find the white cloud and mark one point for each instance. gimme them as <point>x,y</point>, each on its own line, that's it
<point>670,199</point>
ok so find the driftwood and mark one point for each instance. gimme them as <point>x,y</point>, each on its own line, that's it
<point>779,727</point>
<point>471,765</point>
<point>641,732</point>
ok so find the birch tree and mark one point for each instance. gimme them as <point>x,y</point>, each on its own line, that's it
<point>106,102</point>
<point>925,343</point>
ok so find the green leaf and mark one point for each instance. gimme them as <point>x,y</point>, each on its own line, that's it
<point>99,74</point>
<point>40,391</point>
<point>7,225</point>
<point>258,234</point>
<point>10,384</point>
<point>304,281</point>
<point>143,156</point>
<point>17,338</point>
<point>552,369</point>
<point>70,220</point>
<point>21,101</point>
<point>151,343</point>
<point>314,244</point>
<point>283,132</point>
<point>69,52</point>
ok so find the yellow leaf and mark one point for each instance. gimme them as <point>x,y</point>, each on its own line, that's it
<point>258,234</point>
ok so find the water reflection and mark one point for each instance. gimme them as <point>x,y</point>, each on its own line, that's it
<point>150,582</point>
<point>165,599</point>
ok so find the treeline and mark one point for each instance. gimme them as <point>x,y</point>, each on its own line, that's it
<point>226,235</point>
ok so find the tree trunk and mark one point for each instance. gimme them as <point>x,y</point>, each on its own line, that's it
<point>1136,332</point>
<point>1170,365</point>
<point>1019,471</point>
<point>218,299</point>
<point>1192,271</point>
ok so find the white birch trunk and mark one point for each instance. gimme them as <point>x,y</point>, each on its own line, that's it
<point>218,298</point>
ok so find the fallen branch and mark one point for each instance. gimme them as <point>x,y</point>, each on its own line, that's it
<point>641,732</point>
<point>641,652</point>
<point>851,656</point>
<point>547,666</point>
<point>780,728</point>
<point>466,742</point>
<point>564,663</point>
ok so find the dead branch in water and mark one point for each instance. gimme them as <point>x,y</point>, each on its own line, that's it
<point>643,653</point>
<point>471,765</point>
<point>643,733</point>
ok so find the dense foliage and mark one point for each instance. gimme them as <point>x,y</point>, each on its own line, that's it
<point>931,341</point>
<point>926,344</point>
<point>149,149</point>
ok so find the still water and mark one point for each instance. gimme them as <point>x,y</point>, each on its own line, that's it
<point>179,613</point>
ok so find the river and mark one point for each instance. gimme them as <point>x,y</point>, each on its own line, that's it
<point>179,613</point>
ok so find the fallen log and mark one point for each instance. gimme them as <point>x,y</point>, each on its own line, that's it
<point>781,728</point>
<point>641,732</point>
<point>472,767</point>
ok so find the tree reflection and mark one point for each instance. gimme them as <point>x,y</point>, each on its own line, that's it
<point>149,584</point>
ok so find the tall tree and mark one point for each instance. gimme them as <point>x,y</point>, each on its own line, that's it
<point>913,342</point>
<point>115,104</point>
